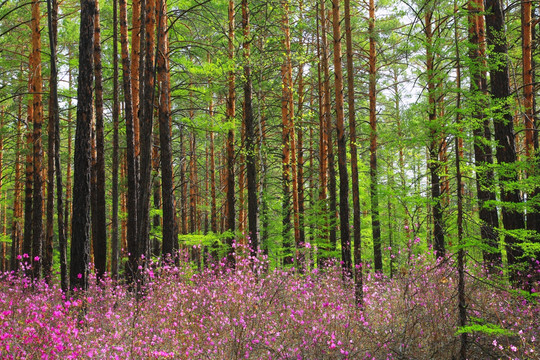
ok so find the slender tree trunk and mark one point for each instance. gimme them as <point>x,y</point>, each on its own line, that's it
<point>130,148</point>
<point>462,302</point>
<point>327,124</point>
<point>54,137</point>
<point>115,162</point>
<point>482,137</point>
<point>433,150</point>
<point>67,209</point>
<point>286,117</point>
<point>29,181</point>
<point>504,131</point>
<point>170,237</point>
<point>80,242</point>
<point>99,219</point>
<point>231,113</point>
<point>358,286</point>
<point>374,188</point>
<point>342,147</point>
<point>249,124</point>
<point>37,207</point>
<point>146,115</point>
<point>16,230</point>
<point>136,31</point>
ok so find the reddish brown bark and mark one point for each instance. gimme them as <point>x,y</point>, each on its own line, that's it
<point>37,104</point>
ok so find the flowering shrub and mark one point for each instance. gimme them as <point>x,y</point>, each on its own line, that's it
<point>250,313</point>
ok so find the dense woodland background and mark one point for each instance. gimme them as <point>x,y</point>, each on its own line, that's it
<point>308,130</point>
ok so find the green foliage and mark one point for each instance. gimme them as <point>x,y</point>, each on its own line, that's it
<point>481,326</point>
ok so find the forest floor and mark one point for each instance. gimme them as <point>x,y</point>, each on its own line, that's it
<point>279,314</point>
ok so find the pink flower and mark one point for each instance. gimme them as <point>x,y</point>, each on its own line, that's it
<point>79,276</point>
<point>36,258</point>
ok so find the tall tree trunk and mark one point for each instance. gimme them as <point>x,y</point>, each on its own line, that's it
<point>504,131</point>
<point>300,214</point>
<point>435,143</point>
<point>193,193</point>
<point>251,170</point>
<point>342,147</point>
<point>286,117</point>
<point>230,115</point>
<point>146,115</point>
<point>67,208</point>
<point>373,186</point>
<point>54,136</point>
<point>80,242</point>
<point>99,220</point>
<point>37,207</point>
<point>130,148</point>
<point>170,237</point>
<point>358,286</point>
<point>533,212</point>
<point>115,162</point>
<point>482,137</point>
<point>458,147</point>
<point>29,180</point>
<point>16,230</point>
<point>136,31</point>
<point>329,150</point>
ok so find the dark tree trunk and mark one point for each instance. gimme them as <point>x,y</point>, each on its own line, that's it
<point>80,242</point>
<point>99,220</point>
<point>482,139</point>
<point>231,112</point>
<point>115,115</point>
<point>130,148</point>
<point>373,185</point>
<point>251,171</point>
<point>28,185</point>
<point>16,230</point>
<point>342,148</point>
<point>54,136</point>
<point>37,206</point>
<point>504,132</point>
<point>146,116</point>
<point>435,143</point>
<point>358,286</point>
<point>170,236</point>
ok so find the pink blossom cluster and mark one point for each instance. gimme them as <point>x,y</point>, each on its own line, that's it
<point>254,313</point>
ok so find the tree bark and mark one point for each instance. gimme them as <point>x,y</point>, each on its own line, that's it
<point>433,150</point>
<point>80,242</point>
<point>251,171</point>
<point>170,234</point>
<point>286,117</point>
<point>482,137</point>
<point>37,206</point>
<point>230,115</point>
<point>99,220</point>
<point>342,147</point>
<point>373,186</point>
<point>504,131</point>
<point>357,239</point>
<point>115,162</point>
<point>146,116</point>
<point>131,228</point>
<point>16,230</point>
